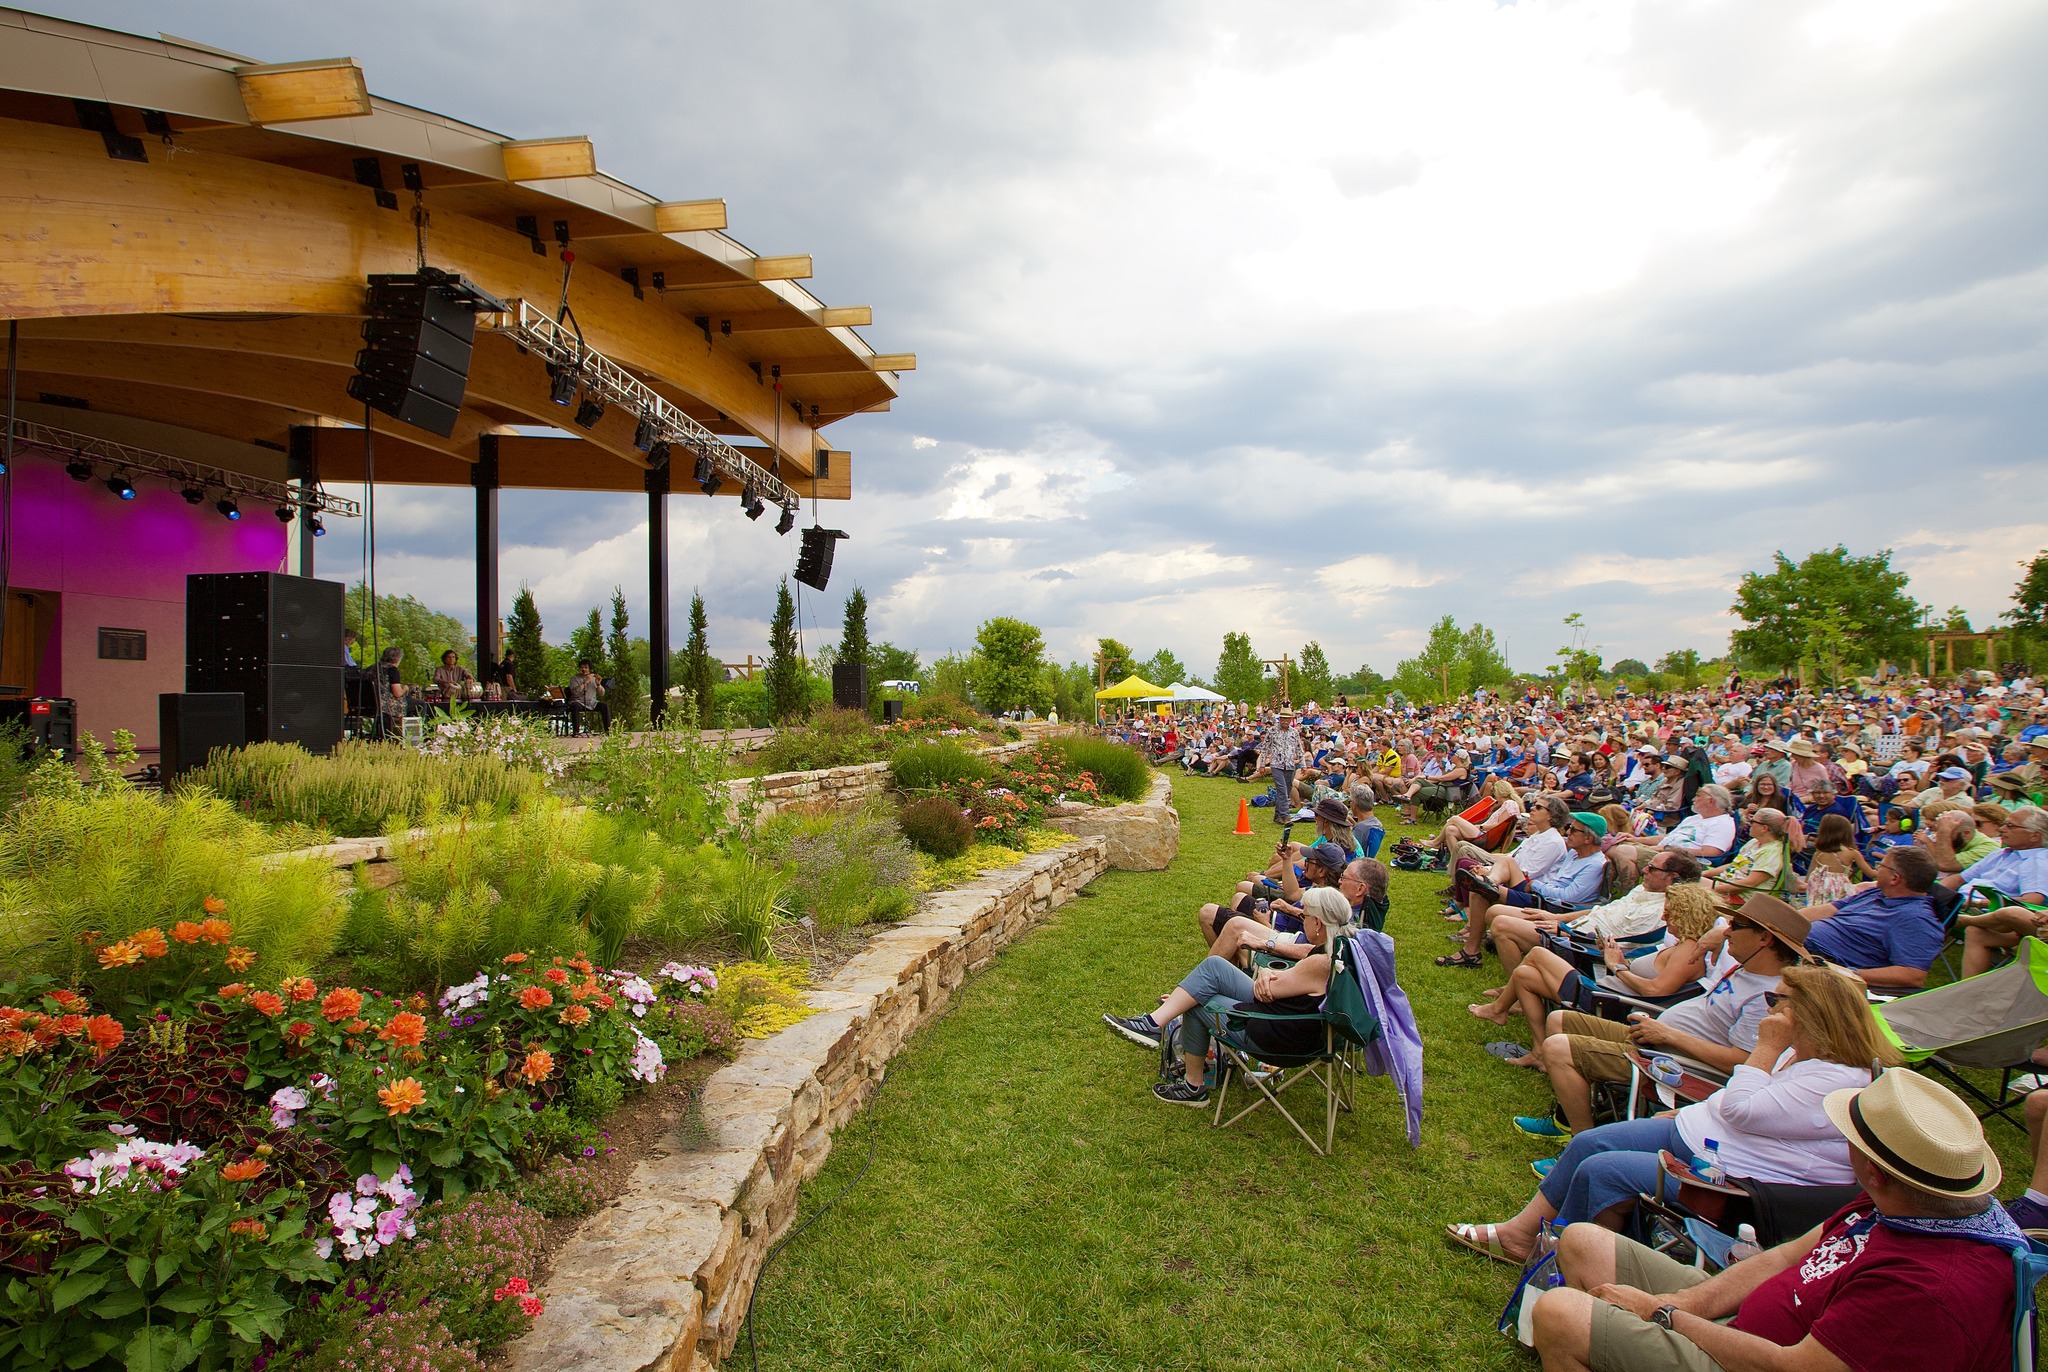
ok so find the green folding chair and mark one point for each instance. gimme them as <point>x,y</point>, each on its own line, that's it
<point>1348,1026</point>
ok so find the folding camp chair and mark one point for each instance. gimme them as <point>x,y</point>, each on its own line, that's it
<point>1707,1214</point>
<point>1348,1026</point>
<point>1988,1023</point>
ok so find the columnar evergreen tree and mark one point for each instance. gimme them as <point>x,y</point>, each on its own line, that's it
<point>700,673</point>
<point>788,686</point>
<point>523,637</point>
<point>627,697</point>
<point>853,638</point>
<point>588,641</point>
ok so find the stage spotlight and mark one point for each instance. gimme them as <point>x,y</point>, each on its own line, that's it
<point>285,514</point>
<point>590,411</point>
<point>707,474</point>
<point>78,468</point>
<point>754,507</point>
<point>657,456</point>
<point>646,432</point>
<point>787,522</point>
<point>194,495</point>
<point>121,486</point>
<point>229,510</point>
<point>562,389</point>
<point>315,523</point>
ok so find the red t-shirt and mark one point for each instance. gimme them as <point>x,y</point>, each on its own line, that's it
<point>1883,1299</point>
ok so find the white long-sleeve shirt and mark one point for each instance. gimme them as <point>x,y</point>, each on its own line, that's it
<point>1771,1126</point>
<point>1538,853</point>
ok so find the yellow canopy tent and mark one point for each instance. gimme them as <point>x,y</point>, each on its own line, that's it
<point>1133,687</point>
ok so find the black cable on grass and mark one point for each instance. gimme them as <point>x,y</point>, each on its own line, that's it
<point>753,1296</point>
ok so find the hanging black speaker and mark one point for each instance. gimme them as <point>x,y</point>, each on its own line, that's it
<point>814,561</point>
<point>420,332</point>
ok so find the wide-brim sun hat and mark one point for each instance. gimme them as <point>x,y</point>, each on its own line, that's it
<point>1918,1131</point>
<point>1786,924</point>
<point>1799,747</point>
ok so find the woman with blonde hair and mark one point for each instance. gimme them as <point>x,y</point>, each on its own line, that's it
<point>1457,829</point>
<point>1768,1124</point>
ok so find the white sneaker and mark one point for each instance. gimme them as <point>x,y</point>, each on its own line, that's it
<point>2027,1085</point>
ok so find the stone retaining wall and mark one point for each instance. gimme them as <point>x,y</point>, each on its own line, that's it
<point>837,786</point>
<point>659,1280</point>
<point>1143,836</point>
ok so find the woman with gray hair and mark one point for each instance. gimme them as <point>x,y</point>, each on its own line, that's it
<point>1762,864</point>
<point>1709,831</point>
<point>1219,986</point>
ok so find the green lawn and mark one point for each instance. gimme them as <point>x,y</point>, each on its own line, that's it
<point>1030,1204</point>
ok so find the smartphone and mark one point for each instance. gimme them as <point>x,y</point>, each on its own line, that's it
<point>1287,833</point>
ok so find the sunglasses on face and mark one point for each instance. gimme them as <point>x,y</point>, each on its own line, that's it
<point>1744,926</point>
<point>1773,999</point>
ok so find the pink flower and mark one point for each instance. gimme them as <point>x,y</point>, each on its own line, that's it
<point>530,1306</point>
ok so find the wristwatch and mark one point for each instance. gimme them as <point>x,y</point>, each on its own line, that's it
<point>1662,1316</point>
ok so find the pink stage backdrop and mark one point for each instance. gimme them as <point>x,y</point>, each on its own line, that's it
<point>121,564</point>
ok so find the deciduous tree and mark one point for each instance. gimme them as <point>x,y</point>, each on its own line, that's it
<point>1784,608</point>
<point>1239,674</point>
<point>1008,658</point>
<point>1312,675</point>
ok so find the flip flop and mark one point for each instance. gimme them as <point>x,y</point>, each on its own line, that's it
<point>1509,1053</point>
<point>1483,1239</point>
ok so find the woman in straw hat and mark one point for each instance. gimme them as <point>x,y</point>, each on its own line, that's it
<point>1220,984</point>
<point>1768,1123</point>
<point>1915,1274</point>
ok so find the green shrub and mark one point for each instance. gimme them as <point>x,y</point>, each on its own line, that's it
<point>566,1187</point>
<point>1121,773</point>
<point>940,709</point>
<point>364,788</point>
<point>14,763</point>
<point>724,894</point>
<point>846,867</point>
<point>464,1251</point>
<point>930,766</point>
<point>668,779</point>
<point>550,880</point>
<point>833,738</point>
<point>128,860</point>
<point>936,825</point>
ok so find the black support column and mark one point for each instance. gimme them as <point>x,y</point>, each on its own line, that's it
<point>302,465</point>
<point>657,592</point>
<point>484,476</point>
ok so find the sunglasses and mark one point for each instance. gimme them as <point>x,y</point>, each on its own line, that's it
<point>1773,999</point>
<point>1738,925</point>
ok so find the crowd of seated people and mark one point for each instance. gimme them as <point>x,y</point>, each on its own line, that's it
<point>1711,888</point>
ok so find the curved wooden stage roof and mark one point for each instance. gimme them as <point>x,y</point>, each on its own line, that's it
<point>186,237</point>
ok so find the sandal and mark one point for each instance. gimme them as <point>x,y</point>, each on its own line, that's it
<point>1461,958</point>
<point>1513,1054</point>
<point>1483,1239</point>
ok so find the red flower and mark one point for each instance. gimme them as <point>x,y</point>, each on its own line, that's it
<point>298,1033</point>
<point>185,931</point>
<point>299,988</point>
<point>514,959</point>
<point>535,998</point>
<point>557,976</point>
<point>255,1229</point>
<point>267,1003</point>
<point>234,990</point>
<point>530,1306</point>
<point>69,1000</point>
<point>341,1003</point>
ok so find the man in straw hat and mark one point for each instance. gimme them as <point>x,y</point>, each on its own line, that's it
<point>1915,1273</point>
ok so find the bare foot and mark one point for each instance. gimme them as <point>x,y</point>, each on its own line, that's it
<point>1488,1013</point>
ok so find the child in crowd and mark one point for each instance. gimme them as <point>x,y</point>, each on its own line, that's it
<point>1836,863</point>
<point>1899,824</point>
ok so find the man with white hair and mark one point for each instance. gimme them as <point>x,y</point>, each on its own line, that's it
<point>2018,872</point>
<point>1709,831</point>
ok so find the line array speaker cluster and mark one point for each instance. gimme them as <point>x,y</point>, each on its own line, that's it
<point>814,560</point>
<point>420,332</point>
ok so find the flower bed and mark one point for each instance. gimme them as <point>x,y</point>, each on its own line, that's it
<point>254,1170</point>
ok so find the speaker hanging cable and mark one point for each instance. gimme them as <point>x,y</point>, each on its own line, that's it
<point>370,541</point>
<point>775,456</point>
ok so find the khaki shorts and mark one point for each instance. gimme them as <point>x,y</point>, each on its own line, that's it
<point>1597,1047</point>
<point>1623,1343</point>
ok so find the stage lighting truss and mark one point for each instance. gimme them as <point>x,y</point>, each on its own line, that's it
<point>606,382</point>
<point>129,462</point>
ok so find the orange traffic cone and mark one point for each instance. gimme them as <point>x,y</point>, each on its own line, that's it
<point>1244,818</point>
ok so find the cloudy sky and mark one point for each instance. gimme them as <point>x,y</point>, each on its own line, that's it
<point>1313,320</point>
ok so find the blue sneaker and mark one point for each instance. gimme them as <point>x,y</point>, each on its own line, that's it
<point>1542,1127</point>
<point>1541,1167</point>
<point>1139,1029</point>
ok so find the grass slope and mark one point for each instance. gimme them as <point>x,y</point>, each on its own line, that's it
<point>1031,1206</point>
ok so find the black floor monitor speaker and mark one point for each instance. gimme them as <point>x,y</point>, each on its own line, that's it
<point>892,710</point>
<point>850,685</point>
<point>420,332</point>
<point>814,560</point>
<point>190,725</point>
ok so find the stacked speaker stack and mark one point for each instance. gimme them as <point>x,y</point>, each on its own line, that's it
<point>276,640</point>
<point>419,334</point>
<point>814,559</point>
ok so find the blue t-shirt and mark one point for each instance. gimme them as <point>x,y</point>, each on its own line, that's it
<point>1574,881</point>
<point>1868,930</point>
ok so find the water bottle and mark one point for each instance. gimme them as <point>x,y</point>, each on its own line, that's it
<point>1708,1165</point>
<point>1745,1245</point>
